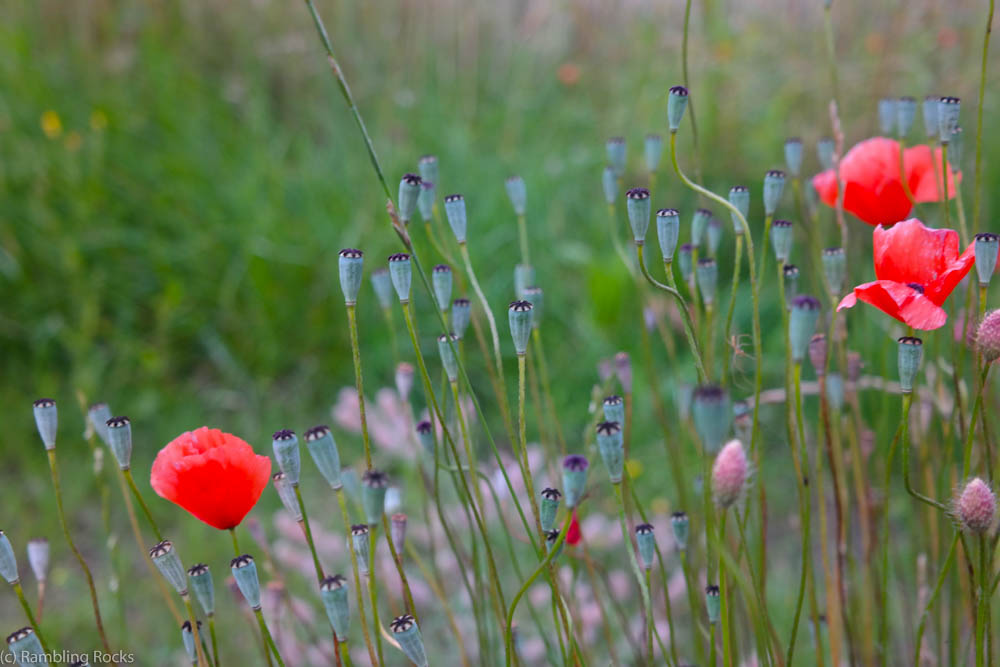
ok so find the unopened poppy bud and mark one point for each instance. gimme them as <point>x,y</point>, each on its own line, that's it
<point>517,193</point>
<point>200,578</point>
<point>536,297</point>
<point>834,267</point>
<point>373,487</point>
<point>948,111</point>
<point>8,561</point>
<point>708,279</point>
<point>653,149</point>
<point>817,353</point>
<point>519,316</point>
<point>551,537</point>
<point>323,449</point>
<point>911,354</point>
<point>906,111</point>
<point>790,274</point>
<point>835,392</point>
<point>286,492</point>
<point>623,371</point>
<point>120,440</point>
<point>699,222</point>
<point>714,235</point>
<point>548,507</point>
<point>712,414</point>
<point>976,507</point>
<point>441,279</point>
<point>397,530</point>
<point>407,635</point>
<point>359,541</point>
<point>351,261</point>
<point>677,100</point>
<point>187,638</point>
<point>824,151</point>
<point>684,261</point>
<point>609,182</point>
<point>681,526</point>
<point>428,167</point>
<point>713,604</point>
<point>955,146</point>
<point>781,239</point>
<point>774,187</point>
<point>409,191</point>
<point>98,415</point>
<point>986,249</point>
<point>454,209</point>
<point>382,284</point>
<point>26,647</point>
<point>638,205</point>
<point>574,472</point>
<point>646,542</point>
<point>47,421</point>
<point>988,337</point>
<point>729,474</point>
<point>524,275</point>
<point>793,155</point>
<point>245,572</point>
<point>448,359</point>
<point>887,115</point>
<point>802,324</point>
<point>668,229</point>
<point>425,436</point>
<point>611,445</point>
<point>425,201</point>
<point>615,147</point>
<point>38,557</point>
<point>930,114</point>
<point>739,197</point>
<point>401,273</point>
<point>286,453</point>
<point>460,316</point>
<point>168,563</point>
<point>614,409</point>
<point>333,592</point>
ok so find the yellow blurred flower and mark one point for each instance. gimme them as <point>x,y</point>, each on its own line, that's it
<point>634,467</point>
<point>660,505</point>
<point>51,124</point>
<point>98,120</point>
<point>73,141</point>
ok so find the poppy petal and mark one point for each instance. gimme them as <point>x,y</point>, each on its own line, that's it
<point>910,252</point>
<point>940,288</point>
<point>901,301</point>
<point>923,174</point>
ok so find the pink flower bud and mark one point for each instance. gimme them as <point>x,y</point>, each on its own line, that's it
<point>988,336</point>
<point>976,507</point>
<point>729,474</point>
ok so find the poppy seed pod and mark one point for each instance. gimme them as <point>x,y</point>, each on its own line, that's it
<point>26,647</point>
<point>454,209</point>
<point>47,421</point>
<point>551,537</point>
<point>802,324</point>
<point>38,557</point>
<point>614,409</point>
<point>245,572</point>
<point>401,273</point>
<point>286,453</point>
<point>359,542</point>
<point>460,315</point>
<point>120,440</point>
<point>427,165</point>
<point>906,111</point>
<point>448,359</point>
<point>955,150</point>
<point>790,274</point>
<point>699,221</point>
<point>781,239</point>
<point>677,100</point>
<point>615,147</point>
<point>98,415</point>
<point>187,638</point>
<point>824,151</point>
<point>986,249</point>
<point>574,470</point>
<point>333,592</point>
<point>639,205</point>
<point>286,492</point>
<point>713,604</point>
<point>739,197</point>
<point>611,445</point>
<point>714,234</point>
<point>684,261</point>
<point>646,542</point>
<point>911,354</point>
<point>976,507</point>
<point>793,155</point>
<point>818,354</point>
<point>407,635</point>
<point>712,414</point>
<point>835,392</point>
<point>519,316</point>
<point>834,267</point>
<point>351,262</point>
<point>774,187</point>
<point>517,192</point>
<point>323,449</point>
<point>425,436</point>
<point>653,149</point>
<point>165,557</point>
<point>609,182</point>
<point>548,507</point>
<point>668,228</point>
<point>930,114</point>
<point>8,561</point>
<point>681,526</point>
<point>409,191</point>
<point>948,112</point>
<point>708,279</point>
<point>200,578</point>
<point>373,487</point>
<point>524,276</point>
<point>441,279</point>
<point>536,297</point>
<point>729,474</point>
<point>382,284</point>
<point>887,115</point>
<point>425,201</point>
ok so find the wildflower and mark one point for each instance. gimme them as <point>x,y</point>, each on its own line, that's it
<point>729,474</point>
<point>976,507</point>
<point>988,337</point>
<point>51,124</point>
<point>573,533</point>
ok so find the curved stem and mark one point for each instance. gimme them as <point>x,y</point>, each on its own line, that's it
<point>643,588</point>
<point>904,435</point>
<point>308,533</point>
<point>474,281</point>
<point>804,508</point>
<point>411,608</point>
<point>970,434</point>
<point>142,503</point>
<point>687,84</point>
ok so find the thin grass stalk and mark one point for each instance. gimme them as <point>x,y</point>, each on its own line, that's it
<point>522,431</point>
<point>687,84</point>
<point>949,559</point>
<point>411,608</point>
<point>543,372</point>
<point>605,614</point>
<point>372,582</point>
<point>474,281</point>
<point>359,383</point>
<point>983,600</point>
<point>737,260</point>
<point>725,619</point>
<point>976,408</point>
<point>883,601</point>
<point>616,242</point>
<point>979,121</point>
<point>804,510</point>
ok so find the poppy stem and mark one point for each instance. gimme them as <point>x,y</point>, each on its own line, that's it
<point>737,259</point>
<point>411,608</point>
<point>215,642</point>
<point>636,570</point>
<point>687,84</point>
<point>979,121</point>
<point>983,598</point>
<point>543,372</point>
<point>616,242</point>
<point>373,590</point>
<point>352,322</point>
<point>498,359</point>
<point>945,189</point>
<point>309,536</point>
<point>31,617</point>
<point>236,542</point>
<point>907,401</point>
<point>268,639</point>
<point>798,450</point>
<point>970,434</point>
<point>359,596</point>
<point>917,646</point>
<point>522,438</point>
<point>201,659</point>
<point>127,472</point>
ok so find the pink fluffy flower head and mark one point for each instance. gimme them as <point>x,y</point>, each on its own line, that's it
<point>976,507</point>
<point>988,337</point>
<point>729,474</point>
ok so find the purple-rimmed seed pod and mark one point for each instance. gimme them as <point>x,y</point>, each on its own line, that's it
<point>685,261</point>
<point>699,222</point>
<point>781,239</point>
<point>681,526</point>
<point>639,206</point>
<point>460,316</point>
<point>426,198</point>
<point>739,197</point>
<point>323,449</point>
<point>713,604</point>
<point>712,415</point>
<point>574,470</point>
<point>793,156</point>
<point>165,557</point>
<point>401,273</point>
<point>887,115</point>
<point>668,229</point>
<point>677,101</point>
<point>425,436</point>
<point>362,549</point>
<point>611,445</point>
<point>374,484</point>
<point>790,274</point>
<point>614,409</point>
<point>407,635</point>
<point>549,507</point>
<point>774,187</point>
<point>26,647</point>
<point>187,638</point>
<point>200,579</point>
<point>351,264</point>
<point>906,111</point>
<point>285,445</point>
<point>986,249</point>
<point>8,561</point>
<point>948,111</point>
<point>428,168</point>
<point>245,572</point>
<point>409,191</point>
<point>520,316</point>
<point>645,540</point>
<point>47,421</point>
<point>333,592</point>
<point>446,348</point>
<point>454,209</point>
<point>120,440</point>
<point>911,354</point>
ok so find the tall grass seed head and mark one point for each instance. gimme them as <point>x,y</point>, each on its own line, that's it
<point>428,168</point>
<point>47,421</point>
<point>611,445</point>
<point>323,449</point>
<point>536,297</point>
<point>699,222</point>
<point>906,111</point>
<point>677,101</point>
<point>401,272</point>
<point>426,199</point>
<point>818,353</point>
<point>548,507</point>
<point>244,570</point>
<point>639,206</point>
<point>8,561</point>
<point>200,579</point>
<point>802,319</point>
<point>730,474</point>
<point>887,115</point>
<point>38,557</point>
<point>948,111</point>
<point>615,147</point>
<point>524,276</point>
<point>441,280</point>
<point>333,592</point>
<point>790,274</point>
<point>454,209</point>
<point>285,445</point>
<point>166,560</point>
<point>614,409</point>
<point>824,151</point>
<point>774,187</point>
<point>712,414</point>
<point>653,151</point>
<point>793,155</point>
<point>98,415</point>
<point>409,192</point>
<point>407,635</point>
<point>988,337</point>
<point>374,484</point>
<point>668,229</point>
<point>835,269</point>
<point>781,239</point>
<point>708,279</point>
<point>120,440</point>
<point>448,359</point>
<point>645,540</point>
<point>517,192</point>
<point>574,471</point>
<point>713,604</point>
<point>713,233</point>
<point>975,508</point>
<point>460,316</point>
<point>680,524</point>
<point>910,355</point>
<point>609,182</point>
<point>351,261</point>
<point>684,261</point>
<point>519,316</point>
<point>286,492</point>
<point>739,197</point>
<point>987,245</point>
<point>382,284</point>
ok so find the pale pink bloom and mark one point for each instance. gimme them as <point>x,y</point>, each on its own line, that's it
<point>729,474</point>
<point>976,507</point>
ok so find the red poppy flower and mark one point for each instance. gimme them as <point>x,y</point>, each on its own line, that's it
<point>213,475</point>
<point>873,190</point>
<point>917,268</point>
<point>573,534</point>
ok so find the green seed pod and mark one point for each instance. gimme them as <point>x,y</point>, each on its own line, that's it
<point>911,353</point>
<point>713,604</point>
<point>519,316</point>
<point>955,147</point>
<point>646,542</point>
<point>524,276</point>
<point>401,272</point>
<point>835,392</point>
<point>611,445</point>
<point>930,113</point>
<point>454,209</point>
<point>708,279</point>
<point>167,561</point>
<point>535,296</point>
<point>409,191</point>
<point>887,115</point>
<point>824,151</point>
<point>781,239</point>
<point>374,484</point>
<point>986,249</point>
<point>407,635</point>
<point>574,478</point>
<point>286,492</point>
<point>333,592</point>
<point>323,449</point>
<point>681,526</point>
<point>428,167</point>
<point>382,284</point>
<point>26,648</point>
<point>793,156</point>
<point>425,436</point>
<point>668,228</point>
<point>835,268</point>
<point>551,537</point>
<point>712,414</point>
<point>8,561</point>
<point>739,196</point>
<point>448,359</point>
<point>98,415</point>
<point>187,638</point>
<point>548,508</point>
<point>425,202</point>
<point>653,148</point>
<point>351,265</point>
<point>774,187</point>
<point>684,260</point>
<point>120,440</point>
<point>47,421</point>
<point>359,541</point>
<point>906,111</point>
<point>200,578</point>
<point>948,111</point>
<point>245,572</point>
<point>616,155</point>
<point>460,315</point>
<point>639,205</point>
<point>441,279</point>
<point>286,453</point>
<point>802,324</point>
<point>790,273</point>
<point>517,192</point>
<point>699,221</point>
<point>610,184</point>
<point>614,409</point>
<point>714,234</point>
<point>677,100</point>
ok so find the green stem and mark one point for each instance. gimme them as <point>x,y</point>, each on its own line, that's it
<point>804,509</point>
<point>737,259</point>
<point>142,503</point>
<point>373,592</point>
<point>201,659</point>
<point>884,597</point>
<point>308,534</point>
<point>724,620</point>
<point>687,84</point>
<point>215,642</point>
<point>970,434</point>
<point>411,608</point>
<point>474,281</point>
<point>358,594</point>
<point>930,601</point>
<point>31,616</point>
<point>983,599</point>
<point>643,588</point>
<point>522,228</point>
<point>268,639</point>
<point>359,383</point>
<point>907,400</point>
<point>979,121</point>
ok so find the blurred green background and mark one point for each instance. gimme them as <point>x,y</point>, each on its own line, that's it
<point>176,179</point>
